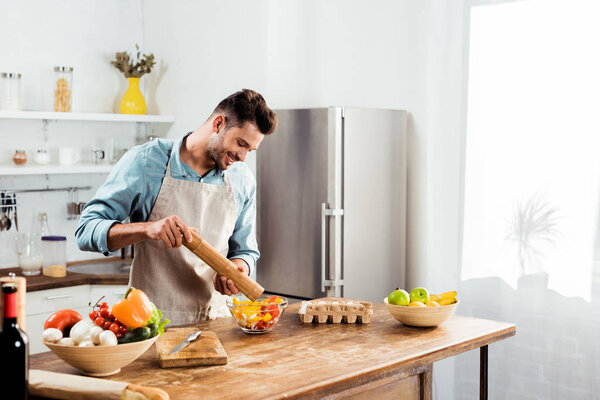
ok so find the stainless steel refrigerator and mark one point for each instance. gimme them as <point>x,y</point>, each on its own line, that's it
<point>331,203</point>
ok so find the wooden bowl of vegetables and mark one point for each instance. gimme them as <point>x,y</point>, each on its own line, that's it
<point>107,339</point>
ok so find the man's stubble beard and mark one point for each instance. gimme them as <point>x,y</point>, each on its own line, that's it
<point>215,148</point>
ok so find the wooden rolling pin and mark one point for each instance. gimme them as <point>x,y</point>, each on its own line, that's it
<point>22,296</point>
<point>55,385</point>
<point>223,266</point>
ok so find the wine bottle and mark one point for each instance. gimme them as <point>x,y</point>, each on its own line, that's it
<point>14,349</point>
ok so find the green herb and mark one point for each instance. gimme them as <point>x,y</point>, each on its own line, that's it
<point>157,318</point>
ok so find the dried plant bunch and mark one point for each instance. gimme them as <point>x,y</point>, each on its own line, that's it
<point>124,63</point>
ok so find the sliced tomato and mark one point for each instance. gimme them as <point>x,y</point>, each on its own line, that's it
<point>273,309</point>
<point>260,325</point>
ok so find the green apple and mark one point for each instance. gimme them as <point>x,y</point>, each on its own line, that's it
<point>399,297</point>
<point>419,294</point>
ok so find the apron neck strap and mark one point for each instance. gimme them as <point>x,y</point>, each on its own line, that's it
<point>168,172</point>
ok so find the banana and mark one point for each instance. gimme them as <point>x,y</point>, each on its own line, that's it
<point>448,295</point>
<point>445,302</point>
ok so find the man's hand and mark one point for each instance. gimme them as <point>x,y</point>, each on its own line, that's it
<point>226,286</point>
<point>169,230</point>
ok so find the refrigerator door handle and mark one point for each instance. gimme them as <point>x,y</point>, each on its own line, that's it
<point>325,212</point>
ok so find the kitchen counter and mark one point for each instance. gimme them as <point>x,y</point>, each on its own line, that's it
<point>384,359</point>
<point>41,282</point>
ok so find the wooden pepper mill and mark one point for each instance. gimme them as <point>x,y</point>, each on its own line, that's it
<point>223,266</point>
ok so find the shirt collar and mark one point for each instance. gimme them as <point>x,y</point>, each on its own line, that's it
<point>179,169</point>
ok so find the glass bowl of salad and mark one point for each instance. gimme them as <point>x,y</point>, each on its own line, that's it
<point>258,316</point>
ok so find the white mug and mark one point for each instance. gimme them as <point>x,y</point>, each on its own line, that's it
<point>68,155</point>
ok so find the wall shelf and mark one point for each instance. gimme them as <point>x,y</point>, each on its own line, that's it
<point>54,169</point>
<point>75,116</point>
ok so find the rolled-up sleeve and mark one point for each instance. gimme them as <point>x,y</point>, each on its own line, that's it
<point>114,201</point>
<point>242,243</point>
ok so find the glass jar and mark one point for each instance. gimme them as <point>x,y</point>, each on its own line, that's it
<point>42,157</point>
<point>29,253</point>
<point>54,254</point>
<point>10,91</point>
<point>19,157</point>
<point>63,77</point>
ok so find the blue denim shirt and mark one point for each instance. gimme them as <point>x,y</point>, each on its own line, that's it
<point>133,186</point>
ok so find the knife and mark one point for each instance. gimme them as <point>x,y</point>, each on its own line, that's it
<point>193,336</point>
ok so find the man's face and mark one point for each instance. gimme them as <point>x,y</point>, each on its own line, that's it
<point>233,144</point>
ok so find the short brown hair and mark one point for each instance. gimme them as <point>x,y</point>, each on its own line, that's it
<point>247,106</point>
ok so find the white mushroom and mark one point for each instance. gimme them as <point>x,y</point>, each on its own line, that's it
<point>86,343</point>
<point>108,338</point>
<point>95,334</point>
<point>52,335</point>
<point>67,341</point>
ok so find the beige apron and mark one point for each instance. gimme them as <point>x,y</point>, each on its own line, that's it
<point>178,282</point>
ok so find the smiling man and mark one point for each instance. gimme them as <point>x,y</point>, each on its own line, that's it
<point>172,187</point>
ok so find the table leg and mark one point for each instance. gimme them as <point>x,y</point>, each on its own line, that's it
<point>426,384</point>
<point>483,373</point>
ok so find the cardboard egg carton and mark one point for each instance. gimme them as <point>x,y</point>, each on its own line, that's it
<point>335,310</point>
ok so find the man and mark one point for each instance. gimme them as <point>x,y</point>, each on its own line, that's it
<point>167,187</point>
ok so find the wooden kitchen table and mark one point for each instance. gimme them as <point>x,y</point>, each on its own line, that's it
<point>383,359</point>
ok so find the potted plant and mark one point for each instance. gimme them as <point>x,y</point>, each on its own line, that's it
<point>133,101</point>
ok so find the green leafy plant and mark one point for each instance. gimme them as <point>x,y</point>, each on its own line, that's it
<point>124,63</point>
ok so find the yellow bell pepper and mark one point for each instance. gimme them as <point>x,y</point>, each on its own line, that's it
<point>134,310</point>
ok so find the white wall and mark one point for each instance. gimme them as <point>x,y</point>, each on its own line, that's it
<point>388,54</point>
<point>404,54</point>
<point>36,36</point>
<point>208,50</point>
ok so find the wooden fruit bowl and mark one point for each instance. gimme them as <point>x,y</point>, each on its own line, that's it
<point>421,316</point>
<point>101,360</point>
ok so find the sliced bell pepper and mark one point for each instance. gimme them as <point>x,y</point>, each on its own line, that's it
<point>134,310</point>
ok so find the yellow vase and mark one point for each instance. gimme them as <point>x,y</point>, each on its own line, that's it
<point>133,101</point>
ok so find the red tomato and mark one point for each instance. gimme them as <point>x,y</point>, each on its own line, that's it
<point>104,312</point>
<point>63,320</point>
<point>110,316</point>
<point>272,308</point>
<point>114,328</point>
<point>93,315</point>
<point>106,325</point>
<point>99,321</point>
<point>104,305</point>
<point>123,329</point>
<point>119,335</point>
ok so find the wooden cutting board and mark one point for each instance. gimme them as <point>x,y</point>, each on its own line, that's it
<point>206,350</point>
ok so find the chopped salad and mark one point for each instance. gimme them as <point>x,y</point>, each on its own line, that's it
<point>257,315</point>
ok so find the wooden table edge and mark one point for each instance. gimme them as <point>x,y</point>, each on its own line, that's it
<point>396,370</point>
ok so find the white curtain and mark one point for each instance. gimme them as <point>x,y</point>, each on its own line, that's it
<point>531,220</point>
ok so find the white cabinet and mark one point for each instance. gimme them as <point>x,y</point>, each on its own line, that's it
<point>42,303</point>
<point>111,293</point>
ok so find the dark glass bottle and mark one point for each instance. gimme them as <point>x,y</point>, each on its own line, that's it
<point>14,349</point>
